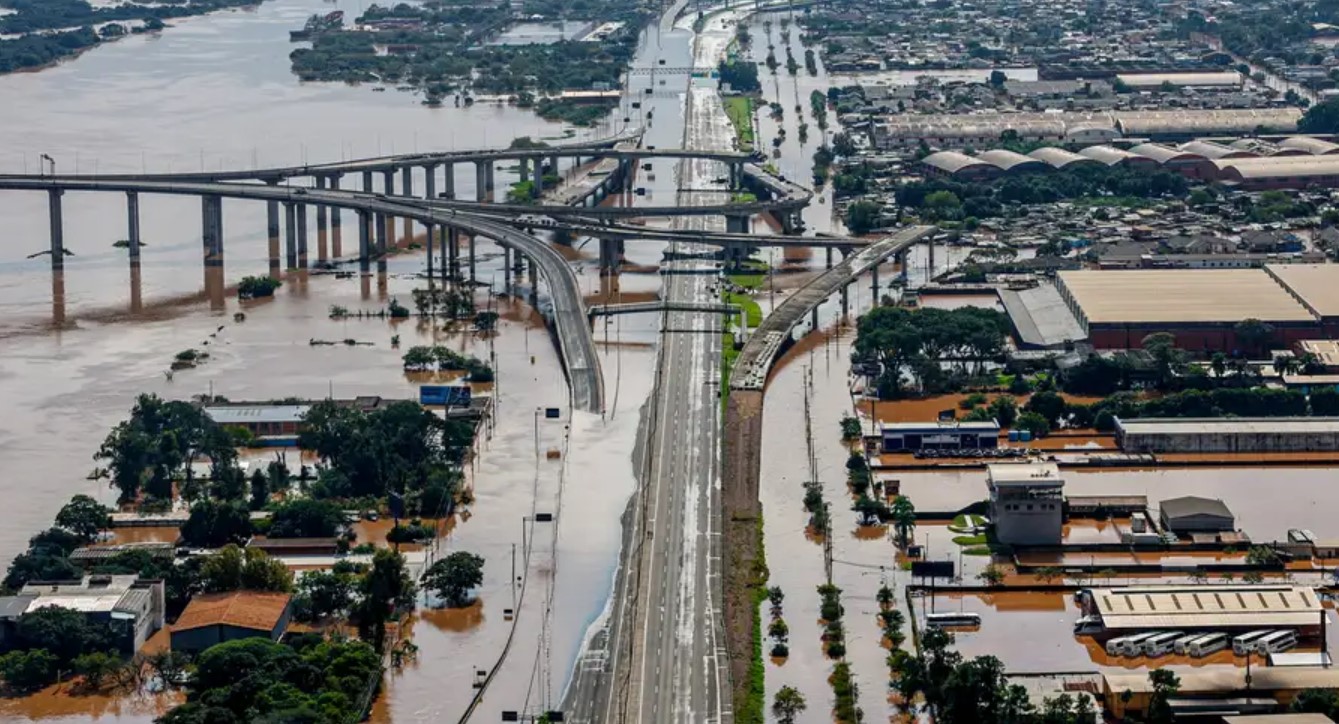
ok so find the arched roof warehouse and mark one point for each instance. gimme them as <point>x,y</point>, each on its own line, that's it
<point>1060,158</point>
<point>1012,162</point>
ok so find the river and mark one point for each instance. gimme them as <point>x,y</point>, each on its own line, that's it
<point>216,92</point>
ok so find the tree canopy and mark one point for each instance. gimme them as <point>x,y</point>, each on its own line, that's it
<point>159,441</point>
<point>914,343</point>
<point>233,569</point>
<point>452,577</point>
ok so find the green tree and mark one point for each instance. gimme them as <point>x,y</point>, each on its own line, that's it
<point>1034,423</point>
<point>1320,118</point>
<point>27,671</point>
<point>233,569</point>
<point>306,518</point>
<point>212,524</point>
<point>1324,401</point>
<point>96,667</point>
<point>1167,359</point>
<point>85,517</point>
<point>904,519</point>
<point>1165,685</point>
<point>1218,363</point>
<point>1253,335</point>
<point>452,577</point>
<point>850,428</point>
<point>862,216</point>
<point>1049,405</point>
<point>942,206</point>
<point>385,590</point>
<point>324,593</point>
<point>1317,701</point>
<point>788,704</point>
<point>992,574</point>
<point>66,634</point>
<point>1004,410</point>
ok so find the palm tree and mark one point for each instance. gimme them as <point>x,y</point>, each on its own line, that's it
<point>1218,363</point>
<point>904,519</point>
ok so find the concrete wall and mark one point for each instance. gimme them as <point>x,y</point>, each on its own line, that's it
<point>1015,524</point>
<point>1194,338</point>
<point>1190,441</point>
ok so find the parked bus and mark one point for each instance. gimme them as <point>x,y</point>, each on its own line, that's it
<point>952,620</point>
<point>1129,645</point>
<point>1162,643</point>
<point>1207,644</point>
<point>1276,642</point>
<point>1246,642</point>
<point>1179,646</point>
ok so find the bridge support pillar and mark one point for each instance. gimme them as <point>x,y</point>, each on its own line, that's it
<point>367,182</point>
<point>506,270</point>
<point>430,182</point>
<point>272,225</point>
<point>132,228</point>
<point>428,227</point>
<point>874,288</point>
<point>336,236</point>
<point>829,256</point>
<point>291,235</point>
<point>322,230</point>
<point>813,319</point>
<point>736,175</point>
<point>736,224</point>
<point>523,171</point>
<point>57,229</point>
<point>789,222</point>
<point>472,265</point>
<point>449,181</point>
<point>901,259</point>
<point>383,226</point>
<point>488,178</point>
<point>930,270</point>
<point>480,181</point>
<point>539,177</point>
<point>364,240</point>
<point>846,300</point>
<point>388,177</point>
<point>212,238</point>
<point>302,235</point>
<point>453,253</point>
<point>407,184</point>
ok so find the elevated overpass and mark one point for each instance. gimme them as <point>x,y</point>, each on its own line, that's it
<point>755,360</point>
<point>575,343</point>
<point>609,310</point>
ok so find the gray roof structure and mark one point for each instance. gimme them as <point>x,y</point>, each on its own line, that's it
<point>1268,167</point>
<point>1207,123</point>
<point>1112,156</point>
<point>1041,318</point>
<point>1228,425</point>
<point>1189,505</point>
<point>1210,149</point>
<point>1160,153</point>
<point>1061,158</point>
<point>11,607</point>
<point>252,414</point>
<point>1314,146</point>
<point>953,162</point>
<point>1011,161</point>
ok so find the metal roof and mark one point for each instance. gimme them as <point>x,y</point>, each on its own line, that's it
<point>1154,80</point>
<point>1317,285</point>
<point>945,426</point>
<point>1009,160</point>
<point>1207,122</point>
<point>1110,155</point>
<point>1209,149</point>
<point>251,414</point>
<point>953,162</point>
<point>1193,505</point>
<point>1161,153</point>
<point>1310,145</point>
<point>1059,157</point>
<point>15,606</point>
<point>1277,167</point>
<point>1228,425</point>
<point>1222,679</point>
<point>1199,606</point>
<point>1180,295</point>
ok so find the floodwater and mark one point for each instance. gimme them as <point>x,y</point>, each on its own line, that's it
<point>215,92</point>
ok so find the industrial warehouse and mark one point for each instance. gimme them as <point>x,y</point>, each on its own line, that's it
<point>1117,309</point>
<point>1248,164</point>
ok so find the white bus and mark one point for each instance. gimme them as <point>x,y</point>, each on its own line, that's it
<point>1207,644</point>
<point>1179,646</point>
<point>1162,643</point>
<point>1129,645</point>
<point>1276,642</point>
<point>953,620</point>
<point>1246,642</point>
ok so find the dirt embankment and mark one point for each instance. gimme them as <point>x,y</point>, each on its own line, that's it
<point>744,570</point>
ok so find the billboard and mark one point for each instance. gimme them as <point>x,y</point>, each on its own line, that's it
<point>932,569</point>
<point>448,395</point>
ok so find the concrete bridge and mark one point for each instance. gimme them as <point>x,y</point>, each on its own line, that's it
<point>609,310</point>
<point>576,345</point>
<point>772,336</point>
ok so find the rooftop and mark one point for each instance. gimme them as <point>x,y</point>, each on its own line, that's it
<point>1193,505</point>
<point>1153,80</point>
<point>1317,285</point>
<point>1181,295</point>
<point>93,594</point>
<point>1226,425</point>
<point>1326,350</point>
<point>243,609</point>
<point>1024,474</point>
<point>251,414</point>
<point>1220,679</point>
<point>1202,605</point>
<point>933,425</point>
